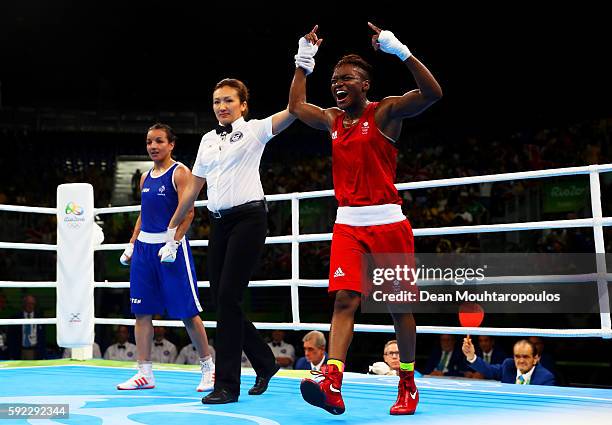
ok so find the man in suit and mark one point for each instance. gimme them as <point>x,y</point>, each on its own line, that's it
<point>391,363</point>
<point>523,369</point>
<point>488,351</point>
<point>314,352</point>
<point>445,359</point>
<point>27,342</point>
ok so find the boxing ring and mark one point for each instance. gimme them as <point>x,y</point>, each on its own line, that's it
<point>89,386</point>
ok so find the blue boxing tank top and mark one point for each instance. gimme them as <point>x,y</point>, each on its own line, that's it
<point>159,200</point>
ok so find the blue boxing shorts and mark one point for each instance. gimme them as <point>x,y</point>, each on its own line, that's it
<point>155,286</point>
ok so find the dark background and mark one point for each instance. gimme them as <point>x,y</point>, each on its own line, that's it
<point>507,64</point>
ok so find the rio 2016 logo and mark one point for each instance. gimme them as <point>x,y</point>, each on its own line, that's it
<point>73,208</point>
<point>73,217</point>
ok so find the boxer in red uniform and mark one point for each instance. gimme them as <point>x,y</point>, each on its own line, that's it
<point>369,219</point>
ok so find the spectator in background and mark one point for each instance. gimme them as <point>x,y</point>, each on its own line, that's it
<point>445,359</point>
<point>522,370</point>
<point>162,351</point>
<point>391,363</point>
<point>189,354</point>
<point>544,357</point>
<point>136,185</point>
<point>314,352</point>
<point>96,353</point>
<point>123,349</point>
<point>488,351</point>
<point>27,342</point>
<point>4,353</point>
<point>283,351</point>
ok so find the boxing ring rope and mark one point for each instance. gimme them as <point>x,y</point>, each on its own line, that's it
<point>596,222</point>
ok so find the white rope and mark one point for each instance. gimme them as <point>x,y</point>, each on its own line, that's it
<point>24,209</point>
<point>522,332</point>
<point>22,284</point>
<point>30,246</point>
<point>35,321</point>
<point>324,283</point>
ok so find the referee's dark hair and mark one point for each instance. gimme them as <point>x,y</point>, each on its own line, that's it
<point>167,129</point>
<point>240,87</point>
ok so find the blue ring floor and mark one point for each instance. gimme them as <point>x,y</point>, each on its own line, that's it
<point>90,392</point>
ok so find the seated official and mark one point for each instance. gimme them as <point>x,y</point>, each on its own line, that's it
<point>314,352</point>
<point>445,359</point>
<point>284,353</point>
<point>523,369</point>
<point>95,352</point>
<point>391,363</point>
<point>189,354</point>
<point>123,349</point>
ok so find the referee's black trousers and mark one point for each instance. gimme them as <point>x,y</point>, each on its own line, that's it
<point>235,248</point>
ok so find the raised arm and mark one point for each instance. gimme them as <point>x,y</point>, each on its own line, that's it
<point>396,108</point>
<point>281,120</point>
<point>309,114</point>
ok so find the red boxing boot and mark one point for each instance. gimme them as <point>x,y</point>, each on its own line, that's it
<point>326,393</point>
<point>407,395</point>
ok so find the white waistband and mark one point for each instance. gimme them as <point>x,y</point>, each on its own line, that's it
<point>146,237</point>
<point>371,215</point>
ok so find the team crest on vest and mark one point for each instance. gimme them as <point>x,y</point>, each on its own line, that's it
<point>365,127</point>
<point>161,190</point>
<point>236,136</point>
<point>334,135</point>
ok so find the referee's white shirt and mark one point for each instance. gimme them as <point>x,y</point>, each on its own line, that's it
<point>230,164</point>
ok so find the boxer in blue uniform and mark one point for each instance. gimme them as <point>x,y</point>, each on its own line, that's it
<point>162,272</point>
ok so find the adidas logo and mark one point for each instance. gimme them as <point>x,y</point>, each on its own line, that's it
<point>338,272</point>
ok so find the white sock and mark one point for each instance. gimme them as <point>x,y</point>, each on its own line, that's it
<point>146,368</point>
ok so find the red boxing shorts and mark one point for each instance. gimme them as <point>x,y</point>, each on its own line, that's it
<point>351,243</point>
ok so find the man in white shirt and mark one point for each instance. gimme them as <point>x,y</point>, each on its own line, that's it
<point>189,354</point>
<point>162,351</point>
<point>96,353</point>
<point>123,349</point>
<point>283,351</point>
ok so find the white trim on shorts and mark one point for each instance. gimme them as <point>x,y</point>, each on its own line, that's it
<point>370,215</point>
<point>146,237</point>
<point>191,283</point>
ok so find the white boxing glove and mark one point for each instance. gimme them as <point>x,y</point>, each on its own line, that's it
<point>305,55</point>
<point>126,257</point>
<point>380,368</point>
<point>389,43</point>
<point>167,253</point>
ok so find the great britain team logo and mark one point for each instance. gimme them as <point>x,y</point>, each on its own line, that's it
<point>365,127</point>
<point>236,136</point>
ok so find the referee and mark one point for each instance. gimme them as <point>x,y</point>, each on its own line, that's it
<point>228,162</point>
